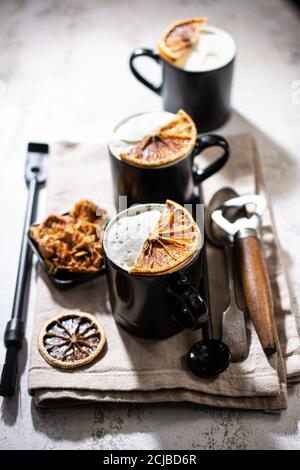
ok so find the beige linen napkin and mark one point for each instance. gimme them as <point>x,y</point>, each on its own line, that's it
<point>140,370</point>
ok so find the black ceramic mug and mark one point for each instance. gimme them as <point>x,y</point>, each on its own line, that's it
<point>156,306</point>
<point>178,181</point>
<point>204,95</point>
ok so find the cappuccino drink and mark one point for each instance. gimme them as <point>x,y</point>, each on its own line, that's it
<point>214,49</point>
<point>135,128</point>
<point>152,260</point>
<point>152,238</point>
<point>197,63</point>
<point>154,139</point>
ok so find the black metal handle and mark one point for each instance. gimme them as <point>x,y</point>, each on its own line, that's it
<point>35,175</point>
<point>203,142</point>
<point>190,310</point>
<point>207,330</point>
<point>147,53</point>
<point>14,332</point>
<point>25,254</point>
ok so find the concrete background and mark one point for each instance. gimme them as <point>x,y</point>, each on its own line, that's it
<point>64,75</point>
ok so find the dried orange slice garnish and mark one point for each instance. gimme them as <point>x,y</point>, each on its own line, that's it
<point>180,36</point>
<point>71,340</point>
<point>166,144</point>
<point>174,240</point>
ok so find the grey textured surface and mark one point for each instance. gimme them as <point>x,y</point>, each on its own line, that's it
<point>64,76</point>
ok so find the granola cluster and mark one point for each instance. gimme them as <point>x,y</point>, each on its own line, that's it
<point>72,242</point>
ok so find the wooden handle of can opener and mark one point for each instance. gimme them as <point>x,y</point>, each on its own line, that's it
<point>257,290</point>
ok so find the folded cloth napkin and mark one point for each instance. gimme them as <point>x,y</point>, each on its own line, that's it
<point>142,370</point>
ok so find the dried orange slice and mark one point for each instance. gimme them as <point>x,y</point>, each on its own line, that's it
<point>71,340</point>
<point>166,144</point>
<point>180,36</point>
<point>174,240</point>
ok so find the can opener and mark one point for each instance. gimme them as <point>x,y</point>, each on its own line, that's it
<point>243,233</point>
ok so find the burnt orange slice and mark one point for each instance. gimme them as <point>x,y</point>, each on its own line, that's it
<point>179,37</point>
<point>71,340</point>
<point>174,240</point>
<point>166,144</point>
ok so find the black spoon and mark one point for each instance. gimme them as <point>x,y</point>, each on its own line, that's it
<point>209,356</point>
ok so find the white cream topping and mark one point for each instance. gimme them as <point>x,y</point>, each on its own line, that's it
<point>214,49</point>
<point>135,128</point>
<point>125,235</point>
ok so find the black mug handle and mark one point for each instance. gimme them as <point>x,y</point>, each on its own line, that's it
<point>203,142</point>
<point>147,53</point>
<point>190,310</point>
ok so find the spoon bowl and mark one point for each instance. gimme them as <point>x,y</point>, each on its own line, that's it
<point>216,235</point>
<point>208,357</point>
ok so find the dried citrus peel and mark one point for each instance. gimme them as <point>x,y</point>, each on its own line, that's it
<point>165,145</point>
<point>180,37</point>
<point>173,242</point>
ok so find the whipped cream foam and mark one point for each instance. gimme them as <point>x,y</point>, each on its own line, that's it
<point>125,235</point>
<point>133,129</point>
<point>214,49</point>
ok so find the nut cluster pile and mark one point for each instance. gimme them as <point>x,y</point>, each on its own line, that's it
<point>72,242</point>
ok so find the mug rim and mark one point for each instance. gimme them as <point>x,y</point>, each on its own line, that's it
<point>145,167</point>
<point>195,72</point>
<point>143,276</point>
<point>154,276</point>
